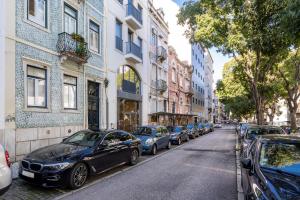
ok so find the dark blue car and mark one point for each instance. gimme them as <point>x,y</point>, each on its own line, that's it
<point>178,135</point>
<point>153,138</point>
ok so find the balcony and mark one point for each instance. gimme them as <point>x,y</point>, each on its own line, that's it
<point>134,17</point>
<point>73,47</point>
<point>189,91</point>
<point>133,52</point>
<point>161,54</point>
<point>161,85</point>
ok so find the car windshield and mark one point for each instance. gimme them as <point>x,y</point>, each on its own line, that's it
<point>84,138</point>
<point>284,157</point>
<point>174,129</point>
<point>143,131</point>
<point>257,131</point>
<point>190,126</point>
<point>276,131</point>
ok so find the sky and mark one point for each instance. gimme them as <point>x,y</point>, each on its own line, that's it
<point>180,42</point>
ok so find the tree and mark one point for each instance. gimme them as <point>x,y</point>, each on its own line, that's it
<point>289,73</point>
<point>233,94</point>
<point>254,32</point>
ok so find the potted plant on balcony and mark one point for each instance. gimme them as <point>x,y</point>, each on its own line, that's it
<point>81,49</point>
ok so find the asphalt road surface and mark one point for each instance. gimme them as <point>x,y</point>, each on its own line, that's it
<point>203,169</point>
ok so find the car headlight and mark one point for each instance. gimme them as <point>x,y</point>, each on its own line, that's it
<point>149,141</point>
<point>58,166</point>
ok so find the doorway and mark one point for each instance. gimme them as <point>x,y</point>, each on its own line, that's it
<point>93,106</point>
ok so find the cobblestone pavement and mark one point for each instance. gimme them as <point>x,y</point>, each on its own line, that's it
<point>21,190</point>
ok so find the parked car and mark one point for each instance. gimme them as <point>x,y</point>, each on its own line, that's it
<point>79,156</point>
<point>178,135</point>
<point>5,171</point>
<point>209,127</point>
<point>192,130</point>
<point>153,138</point>
<point>201,128</point>
<point>271,168</point>
<point>218,125</point>
<point>254,131</point>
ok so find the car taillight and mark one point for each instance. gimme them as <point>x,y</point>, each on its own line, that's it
<point>7,158</point>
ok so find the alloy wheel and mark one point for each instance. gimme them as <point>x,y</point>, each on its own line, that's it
<point>154,149</point>
<point>179,141</point>
<point>134,157</point>
<point>80,175</point>
<point>169,145</point>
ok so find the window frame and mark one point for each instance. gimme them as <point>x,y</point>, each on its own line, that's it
<point>46,15</point>
<point>76,95</point>
<point>39,78</point>
<point>99,36</point>
<point>64,18</point>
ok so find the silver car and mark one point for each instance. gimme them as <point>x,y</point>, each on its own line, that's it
<point>5,171</point>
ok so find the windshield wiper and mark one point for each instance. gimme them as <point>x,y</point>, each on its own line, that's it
<point>279,171</point>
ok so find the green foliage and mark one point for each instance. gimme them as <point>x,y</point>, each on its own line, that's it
<point>233,94</point>
<point>257,33</point>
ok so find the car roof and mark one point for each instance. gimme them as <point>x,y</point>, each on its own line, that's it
<point>280,138</point>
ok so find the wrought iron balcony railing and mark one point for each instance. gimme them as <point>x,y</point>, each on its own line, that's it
<point>161,54</point>
<point>134,49</point>
<point>119,43</point>
<point>73,47</point>
<point>133,11</point>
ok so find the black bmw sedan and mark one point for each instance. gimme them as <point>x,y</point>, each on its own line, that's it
<point>271,170</point>
<point>85,153</point>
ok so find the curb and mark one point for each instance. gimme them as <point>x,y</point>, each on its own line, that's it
<point>240,192</point>
<point>121,171</point>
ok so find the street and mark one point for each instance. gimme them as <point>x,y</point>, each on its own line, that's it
<point>201,169</point>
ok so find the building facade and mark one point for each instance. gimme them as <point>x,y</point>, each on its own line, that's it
<point>198,84</point>
<point>127,63</point>
<point>158,57</point>
<point>57,71</point>
<point>179,88</point>
<point>208,86</point>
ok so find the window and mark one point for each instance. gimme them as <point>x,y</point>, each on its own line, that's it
<point>94,37</point>
<point>119,40</point>
<point>128,80</point>
<point>140,42</point>
<point>70,17</point>
<point>36,87</point>
<point>173,75</point>
<point>70,92</point>
<point>37,11</point>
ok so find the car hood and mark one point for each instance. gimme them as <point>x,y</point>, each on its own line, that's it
<point>287,187</point>
<point>143,138</point>
<point>175,133</point>
<point>57,152</point>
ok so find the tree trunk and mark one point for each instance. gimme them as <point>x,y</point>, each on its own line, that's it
<point>293,119</point>
<point>271,117</point>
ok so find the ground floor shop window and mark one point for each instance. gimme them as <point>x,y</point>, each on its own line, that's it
<point>129,115</point>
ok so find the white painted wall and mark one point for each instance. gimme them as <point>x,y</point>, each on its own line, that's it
<point>2,62</point>
<point>114,58</point>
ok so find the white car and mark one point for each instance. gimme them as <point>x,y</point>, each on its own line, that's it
<point>5,171</point>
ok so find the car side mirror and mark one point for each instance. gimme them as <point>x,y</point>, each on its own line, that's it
<point>246,163</point>
<point>64,139</point>
<point>103,145</point>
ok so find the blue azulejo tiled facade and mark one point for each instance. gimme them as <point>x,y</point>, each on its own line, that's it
<point>59,70</point>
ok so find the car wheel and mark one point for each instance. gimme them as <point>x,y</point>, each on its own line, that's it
<point>169,145</point>
<point>187,138</point>
<point>134,157</point>
<point>154,150</point>
<point>78,176</point>
<point>179,141</point>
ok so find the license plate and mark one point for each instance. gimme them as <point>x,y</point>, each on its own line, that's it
<point>28,174</point>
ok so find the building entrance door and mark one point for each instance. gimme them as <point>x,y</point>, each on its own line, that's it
<point>93,106</point>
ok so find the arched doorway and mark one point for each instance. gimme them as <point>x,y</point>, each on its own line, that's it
<point>129,98</point>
